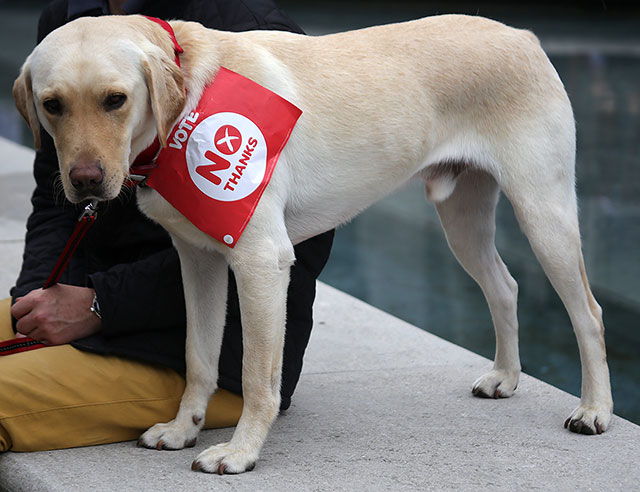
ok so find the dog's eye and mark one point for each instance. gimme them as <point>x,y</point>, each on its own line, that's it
<point>114,101</point>
<point>52,106</point>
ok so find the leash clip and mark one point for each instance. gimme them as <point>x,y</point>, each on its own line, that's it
<point>90,211</point>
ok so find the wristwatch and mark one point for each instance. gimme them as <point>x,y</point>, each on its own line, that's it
<point>95,307</point>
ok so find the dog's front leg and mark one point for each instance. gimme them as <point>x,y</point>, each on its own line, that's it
<point>262,275</point>
<point>205,278</point>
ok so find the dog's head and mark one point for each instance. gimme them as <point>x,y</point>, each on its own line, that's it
<point>103,88</point>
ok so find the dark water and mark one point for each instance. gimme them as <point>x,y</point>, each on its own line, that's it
<point>394,255</point>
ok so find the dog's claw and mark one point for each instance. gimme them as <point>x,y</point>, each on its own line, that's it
<point>480,393</point>
<point>220,470</point>
<point>580,427</point>
<point>585,429</point>
<point>575,426</point>
<point>599,427</point>
<point>477,391</point>
<point>160,445</point>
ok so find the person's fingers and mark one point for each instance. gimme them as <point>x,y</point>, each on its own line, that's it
<point>27,324</point>
<point>23,305</point>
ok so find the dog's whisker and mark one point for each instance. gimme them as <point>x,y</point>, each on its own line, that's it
<point>59,197</point>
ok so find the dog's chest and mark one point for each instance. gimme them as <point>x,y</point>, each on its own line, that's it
<point>154,206</point>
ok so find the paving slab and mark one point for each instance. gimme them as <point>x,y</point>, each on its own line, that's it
<point>16,186</point>
<point>381,405</point>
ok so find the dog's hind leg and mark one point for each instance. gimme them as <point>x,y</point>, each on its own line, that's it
<point>205,279</point>
<point>261,262</point>
<point>468,218</point>
<point>542,192</point>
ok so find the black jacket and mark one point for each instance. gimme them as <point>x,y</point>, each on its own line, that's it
<point>129,260</point>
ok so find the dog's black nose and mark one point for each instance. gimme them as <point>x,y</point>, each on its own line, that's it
<point>86,176</point>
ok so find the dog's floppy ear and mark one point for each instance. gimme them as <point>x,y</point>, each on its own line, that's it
<point>166,90</point>
<point>23,95</point>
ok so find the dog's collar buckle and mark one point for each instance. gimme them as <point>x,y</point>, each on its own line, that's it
<point>134,180</point>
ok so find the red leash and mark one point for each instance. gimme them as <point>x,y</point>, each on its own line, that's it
<point>17,345</point>
<point>85,221</point>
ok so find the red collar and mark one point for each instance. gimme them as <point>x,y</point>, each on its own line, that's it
<point>145,161</point>
<point>167,27</point>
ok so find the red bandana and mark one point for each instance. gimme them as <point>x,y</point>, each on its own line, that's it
<point>220,157</point>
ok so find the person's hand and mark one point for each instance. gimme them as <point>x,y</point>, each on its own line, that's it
<point>57,315</point>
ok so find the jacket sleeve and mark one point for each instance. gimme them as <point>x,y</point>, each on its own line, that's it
<point>141,296</point>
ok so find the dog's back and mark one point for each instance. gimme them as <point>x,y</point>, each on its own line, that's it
<point>383,104</point>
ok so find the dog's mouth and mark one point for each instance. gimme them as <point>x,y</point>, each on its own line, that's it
<point>87,197</point>
<point>96,189</point>
<point>84,196</point>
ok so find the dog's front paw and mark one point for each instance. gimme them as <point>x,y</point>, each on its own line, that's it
<point>225,458</point>
<point>589,419</point>
<point>497,383</point>
<point>170,436</point>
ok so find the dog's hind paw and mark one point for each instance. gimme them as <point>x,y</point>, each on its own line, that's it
<point>496,384</point>
<point>170,436</point>
<point>225,459</point>
<point>589,419</point>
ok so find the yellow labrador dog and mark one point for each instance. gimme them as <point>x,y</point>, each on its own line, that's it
<point>468,105</point>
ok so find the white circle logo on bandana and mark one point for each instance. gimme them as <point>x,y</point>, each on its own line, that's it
<point>226,156</point>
